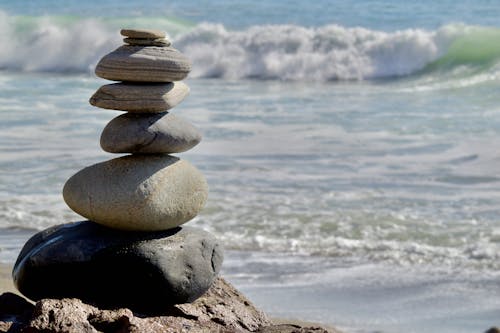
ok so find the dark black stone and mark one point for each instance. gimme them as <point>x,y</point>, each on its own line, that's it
<point>144,271</point>
<point>13,305</point>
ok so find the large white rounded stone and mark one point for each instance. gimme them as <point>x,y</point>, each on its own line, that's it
<point>138,192</point>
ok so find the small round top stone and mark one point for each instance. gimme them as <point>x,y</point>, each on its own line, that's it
<point>142,33</point>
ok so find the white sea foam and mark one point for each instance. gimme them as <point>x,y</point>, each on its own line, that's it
<point>331,52</point>
<point>50,46</point>
<point>327,53</point>
<point>283,52</point>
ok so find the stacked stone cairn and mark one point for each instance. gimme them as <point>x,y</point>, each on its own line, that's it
<point>132,252</point>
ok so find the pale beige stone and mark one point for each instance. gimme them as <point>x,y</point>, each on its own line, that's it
<point>138,192</point>
<point>147,41</point>
<point>140,98</point>
<point>142,33</point>
<point>143,64</point>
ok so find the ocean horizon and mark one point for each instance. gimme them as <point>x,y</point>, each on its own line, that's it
<point>350,148</point>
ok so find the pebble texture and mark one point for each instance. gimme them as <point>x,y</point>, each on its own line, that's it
<point>138,192</point>
<point>142,33</point>
<point>140,98</point>
<point>143,64</point>
<point>144,271</point>
<point>147,41</point>
<point>149,133</point>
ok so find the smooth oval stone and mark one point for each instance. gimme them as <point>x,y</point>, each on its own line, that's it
<point>138,192</point>
<point>142,33</point>
<point>145,271</point>
<point>147,41</point>
<point>143,64</point>
<point>149,133</point>
<point>146,97</point>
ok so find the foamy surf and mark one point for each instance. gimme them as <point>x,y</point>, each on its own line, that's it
<point>277,52</point>
<point>65,43</point>
<point>390,299</point>
<point>334,52</point>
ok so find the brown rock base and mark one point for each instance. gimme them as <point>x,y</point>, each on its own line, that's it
<point>222,309</point>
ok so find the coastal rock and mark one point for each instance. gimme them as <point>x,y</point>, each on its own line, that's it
<point>147,41</point>
<point>143,64</point>
<point>222,309</point>
<point>149,133</point>
<point>145,271</point>
<point>226,306</point>
<point>142,33</point>
<point>138,192</point>
<point>141,98</point>
<point>66,315</point>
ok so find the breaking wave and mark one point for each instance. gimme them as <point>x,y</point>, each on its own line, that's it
<point>281,52</point>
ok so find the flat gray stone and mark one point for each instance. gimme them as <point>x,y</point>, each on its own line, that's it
<point>138,192</point>
<point>149,133</point>
<point>145,271</point>
<point>142,98</point>
<point>142,33</point>
<point>147,41</point>
<point>144,64</point>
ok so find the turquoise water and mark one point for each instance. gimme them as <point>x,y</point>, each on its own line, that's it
<point>350,148</point>
<point>384,15</point>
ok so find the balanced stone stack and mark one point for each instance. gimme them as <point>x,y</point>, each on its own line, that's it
<point>132,252</point>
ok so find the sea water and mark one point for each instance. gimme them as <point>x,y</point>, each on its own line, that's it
<point>351,148</point>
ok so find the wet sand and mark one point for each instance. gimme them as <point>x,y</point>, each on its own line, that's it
<point>6,279</point>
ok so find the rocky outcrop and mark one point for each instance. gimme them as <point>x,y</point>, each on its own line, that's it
<point>222,309</point>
